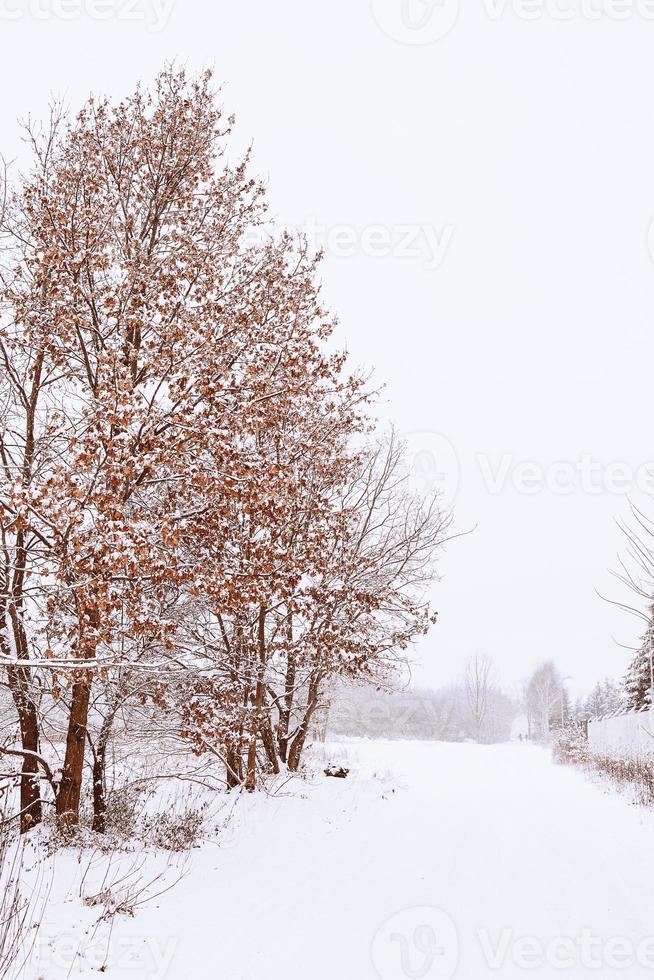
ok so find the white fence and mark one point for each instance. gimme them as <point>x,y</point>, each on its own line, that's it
<point>631,732</point>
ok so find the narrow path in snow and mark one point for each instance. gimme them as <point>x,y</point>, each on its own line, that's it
<point>499,838</point>
<point>529,863</point>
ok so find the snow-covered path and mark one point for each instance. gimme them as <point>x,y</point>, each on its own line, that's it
<point>430,861</point>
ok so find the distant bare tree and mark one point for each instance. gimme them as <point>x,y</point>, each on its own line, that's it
<point>478,681</point>
<point>545,695</point>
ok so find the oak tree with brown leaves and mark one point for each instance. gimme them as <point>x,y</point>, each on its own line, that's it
<point>190,517</point>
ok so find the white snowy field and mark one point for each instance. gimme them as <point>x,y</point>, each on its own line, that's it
<point>430,861</point>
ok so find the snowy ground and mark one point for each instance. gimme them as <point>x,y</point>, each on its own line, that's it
<point>430,861</point>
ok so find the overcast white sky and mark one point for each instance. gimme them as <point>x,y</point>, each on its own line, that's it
<point>520,329</point>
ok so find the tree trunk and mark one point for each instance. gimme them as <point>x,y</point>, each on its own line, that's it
<point>99,775</point>
<point>68,797</point>
<point>234,768</point>
<point>99,798</point>
<point>251,770</point>
<point>268,741</point>
<point>20,684</point>
<point>297,745</point>
<point>31,809</point>
<point>20,678</point>
<point>257,721</point>
<point>285,713</point>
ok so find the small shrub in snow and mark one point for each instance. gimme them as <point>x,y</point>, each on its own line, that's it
<point>125,805</point>
<point>634,772</point>
<point>174,830</point>
<point>124,808</point>
<point>571,747</point>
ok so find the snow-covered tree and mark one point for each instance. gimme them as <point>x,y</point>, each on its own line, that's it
<point>191,518</point>
<point>605,698</point>
<point>637,574</point>
<point>362,551</point>
<point>638,679</point>
<point>546,700</point>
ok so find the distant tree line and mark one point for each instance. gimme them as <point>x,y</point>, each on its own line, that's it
<point>475,708</point>
<point>550,708</point>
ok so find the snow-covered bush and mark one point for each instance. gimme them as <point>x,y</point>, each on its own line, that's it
<point>174,830</point>
<point>124,809</point>
<point>571,746</point>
